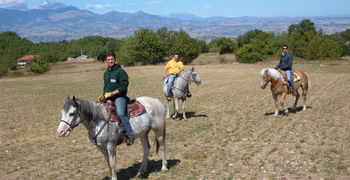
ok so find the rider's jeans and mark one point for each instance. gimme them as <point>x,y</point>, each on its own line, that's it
<point>120,103</point>
<point>290,79</point>
<point>171,78</point>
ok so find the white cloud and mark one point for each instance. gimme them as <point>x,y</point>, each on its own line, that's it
<point>202,7</point>
<point>102,6</point>
<point>11,1</point>
<point>154,2</point>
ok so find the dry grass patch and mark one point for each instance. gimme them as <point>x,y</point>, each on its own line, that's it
<point>229,133</point>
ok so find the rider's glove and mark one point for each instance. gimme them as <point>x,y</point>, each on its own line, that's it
<point>108,94</point>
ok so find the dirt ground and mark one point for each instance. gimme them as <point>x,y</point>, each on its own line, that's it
<point>230,132</point>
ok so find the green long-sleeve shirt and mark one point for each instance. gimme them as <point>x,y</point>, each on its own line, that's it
<point>116,78</point>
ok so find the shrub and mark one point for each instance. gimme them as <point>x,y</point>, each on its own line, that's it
<point>16,74</point>
<point>252,52</point>
<point>38,65</point>
<point>3,70</point>
<point>322,47</point>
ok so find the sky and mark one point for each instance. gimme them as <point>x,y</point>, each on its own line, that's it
<point>208,8</point>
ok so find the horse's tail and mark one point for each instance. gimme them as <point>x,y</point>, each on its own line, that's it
<point>306,84</point>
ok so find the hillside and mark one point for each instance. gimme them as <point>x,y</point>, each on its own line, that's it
<point>61,22</point>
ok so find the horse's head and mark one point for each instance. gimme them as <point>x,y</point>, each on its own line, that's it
<point>265,78</point>
<point>195,77</point>
<point>70,117</point>
<point>267,75</point>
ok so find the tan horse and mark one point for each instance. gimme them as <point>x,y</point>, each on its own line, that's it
<point>280,87</point>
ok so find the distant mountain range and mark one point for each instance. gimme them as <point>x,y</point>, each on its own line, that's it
<point>57,21</point>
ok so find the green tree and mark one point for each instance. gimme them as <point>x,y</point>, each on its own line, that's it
<point>300,35</point>
<point>343,38</point>
<point>38,65</point>
<point>144,47</point>
<point>252,52</point>
<point>323,47</point>
<point>181,43</point>
<point>222,45</point>
<point>267,38</point>
<point>12,47</point>
<point>204,48</point>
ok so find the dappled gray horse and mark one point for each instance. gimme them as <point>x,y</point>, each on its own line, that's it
<point>180,90</point>
<point>106,135</point>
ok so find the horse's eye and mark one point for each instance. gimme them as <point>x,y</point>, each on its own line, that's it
<point>71,114</point>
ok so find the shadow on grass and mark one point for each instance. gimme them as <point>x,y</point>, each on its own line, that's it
<point>132,171</point>
<point>290,110</point>
<point>190,115</point>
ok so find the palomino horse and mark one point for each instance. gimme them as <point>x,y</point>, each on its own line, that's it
<point>106,135</point>
<point>180,90</point>
<point>279,86</point>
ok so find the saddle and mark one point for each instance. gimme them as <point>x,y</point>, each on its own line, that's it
<point>296,77</point>
<point>134,108</point>
<point>189,94</point>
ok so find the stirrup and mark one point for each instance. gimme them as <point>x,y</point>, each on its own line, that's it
<point>129,140</point>
<point>294,92</point>
<point>189,94</point>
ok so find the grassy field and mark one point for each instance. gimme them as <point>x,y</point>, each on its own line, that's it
<point>230,132</point>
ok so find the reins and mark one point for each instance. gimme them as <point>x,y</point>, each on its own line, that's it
<point>99,131</point>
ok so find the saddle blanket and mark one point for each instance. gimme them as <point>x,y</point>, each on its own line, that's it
<point>134,109</point>
<point>295,76</point>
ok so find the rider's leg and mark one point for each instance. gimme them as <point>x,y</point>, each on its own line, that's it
<point>290,79</point>
<point>171,78</point>
<point>120,103</point>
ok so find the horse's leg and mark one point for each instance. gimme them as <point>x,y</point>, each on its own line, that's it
<point>167,109</point>
<point>160,141</point>
<point>111,148</point>
<point>296,100</point>
<point>275,98</point>
<point>176,107</point>
<point>105,155</point>
<point>184,109</point>
<point>283,98</point>
<point>304,94</point>
<point>146,147</point>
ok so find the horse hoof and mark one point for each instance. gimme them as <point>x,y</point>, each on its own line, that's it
<point>164,169</point>
<point>141,173</point>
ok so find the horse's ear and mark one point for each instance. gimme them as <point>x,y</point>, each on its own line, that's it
<point>192,68</point>
<point>75,101</point>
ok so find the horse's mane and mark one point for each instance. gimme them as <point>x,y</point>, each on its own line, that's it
<point>272,72</point>
<point>185,71</point>
<point>91,110</point>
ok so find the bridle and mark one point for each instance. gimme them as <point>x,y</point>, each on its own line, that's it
<point>73,125</point>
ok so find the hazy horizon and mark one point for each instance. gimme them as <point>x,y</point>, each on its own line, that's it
<point>206,8</point>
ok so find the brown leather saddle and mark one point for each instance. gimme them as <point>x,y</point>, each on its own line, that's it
<point>296,77</point>
<point>134,109</point>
